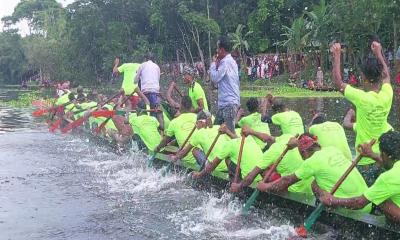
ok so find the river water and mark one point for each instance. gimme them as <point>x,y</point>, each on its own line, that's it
<point>55,186</point>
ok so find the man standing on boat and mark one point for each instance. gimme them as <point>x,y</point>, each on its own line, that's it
<point>148,79</point>
<point>373,103</point>
<point>224,73</point>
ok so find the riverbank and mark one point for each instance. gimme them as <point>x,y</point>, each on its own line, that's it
<point>286,91</point>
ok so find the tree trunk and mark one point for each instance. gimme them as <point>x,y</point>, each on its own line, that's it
<point>209,33</point>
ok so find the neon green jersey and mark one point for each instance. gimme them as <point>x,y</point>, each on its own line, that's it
<point>63,99</point>
<point>203,138</point>
<point>180,127</point>
<point>331,134</point>
<point>327,166</point>
<point>254,122</point>
<point>129,70</point>
<point>289,164</point>
<point>85,106</point>
<point>372,112</point>
<point>290,122</point>
<point>250,156</point>
<point>196,93</point>
<point>147,128</point>
<point>386,187</point>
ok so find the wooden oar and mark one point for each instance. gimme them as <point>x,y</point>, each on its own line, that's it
<point>302,230</point>
<point>41,112</point>
<point>103,124</point>
<point>256,192</point>
<point>83,119</point>
<point>237,172</point>
<point>58,122</point>
<point>111,113</point>
<point>213,145</point>
<point>180,149</point>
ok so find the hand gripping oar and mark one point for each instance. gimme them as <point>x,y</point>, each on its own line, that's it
<point>81,120</point>
<point>237,171</point>
<point>256,192</point>
<point>302,230</point>
<point>180,149</point>
<point>103,124</point>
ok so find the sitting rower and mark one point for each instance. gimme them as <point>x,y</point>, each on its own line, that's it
<point>330,134</point>
<point>230,153</point>
<point>145,127</point>
<point>385,192</point>
<point>195,91</point>
<point>180,128</point>
<point>325,165</point>
<point>289,164</point>
<point>289,121</point>
<point>253,120</point>
<point>202,140</point>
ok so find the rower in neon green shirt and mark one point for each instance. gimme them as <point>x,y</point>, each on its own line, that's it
<point>63,99</point>
<point>289,121</point>
<point>325,165</point>
<point>196,92</point>
<point>291,162</point>
<point>373,102</point>
<point>180,128</point>
<point>129,70</point>
<point>253,120</point>
<point>385,192</point>
<point>202,140</point>
<point>146,127</point>
<point>330,134</point>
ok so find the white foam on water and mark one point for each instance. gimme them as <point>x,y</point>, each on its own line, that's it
<point>221,218</point>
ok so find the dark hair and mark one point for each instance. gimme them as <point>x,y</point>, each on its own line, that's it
<point>372,69</point>
<point>186,103</point>
<point>71,96</point>
<point>252,105</point>
<point>225,43</point>
<point>389,143</point>
<point>319,119</point>
<point>278,106</point>
<point>150,56</point>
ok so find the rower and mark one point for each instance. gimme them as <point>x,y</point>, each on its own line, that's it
<point>385,192</point>
<point>145,128</point>
<point>330,134</point>
<point>195,91</point>
<point>180,128</point>
<point>253,120</point>
<point>289,164</point>
<point>230,153</point>
<point>289,121</point>
<point>325,165</point>
<point>129,88</point>
<point>373,102</point>
<point>202,140</point>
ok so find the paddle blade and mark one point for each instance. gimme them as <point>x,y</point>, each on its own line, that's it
<point>103,113</point>
<point>55,125</point>
<point>40,112</point>
<point>73,125</point>
<point>250,201</point>
<point>301,231</point>
<point>99,128</point>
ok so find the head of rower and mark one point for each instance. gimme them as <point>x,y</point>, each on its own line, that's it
<point>389,145</point>
<point>318,119</point>
<point>204,120</point>
<point>307,145</point>
<point>371,72</point>
<point>186,105</point>
<point>278,106</point>
<point>188,75</point>
<point>252,105</point>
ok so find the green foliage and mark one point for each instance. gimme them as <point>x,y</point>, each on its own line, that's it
<point>23,100</point>
<point>287,91</point>
<point>12,58</point>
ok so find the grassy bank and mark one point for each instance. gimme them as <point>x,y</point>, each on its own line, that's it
<point>286,91</point>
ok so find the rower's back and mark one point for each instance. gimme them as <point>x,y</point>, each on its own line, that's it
<point>146,127</point>
<point>327,166</point>
<point>289,121</point>
<point>331,134</point>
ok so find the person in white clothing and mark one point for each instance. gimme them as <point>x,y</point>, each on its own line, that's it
<point>148,79</point>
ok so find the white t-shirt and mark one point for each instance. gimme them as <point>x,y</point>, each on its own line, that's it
<point>149,75</point>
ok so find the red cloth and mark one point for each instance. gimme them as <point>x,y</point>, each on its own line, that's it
<point>398,79</point>
<point>306,142</point>
<point>134,101</point>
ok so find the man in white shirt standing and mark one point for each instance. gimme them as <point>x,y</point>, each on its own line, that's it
<point>148,79</point>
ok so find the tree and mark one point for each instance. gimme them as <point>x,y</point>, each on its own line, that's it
<point>12,58</point>
<point>239,41</point>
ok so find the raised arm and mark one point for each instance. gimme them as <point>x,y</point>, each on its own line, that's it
<point>247,131</point>
<point>139,72</point>
<point>115,68</point>
<point>348,121</point>
<point>336,72</point>
<point>376,48</point>
<point>217,73</point>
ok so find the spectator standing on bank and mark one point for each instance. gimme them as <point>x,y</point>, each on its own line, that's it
<point>224,73</point>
